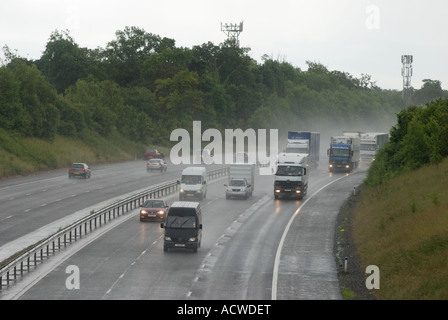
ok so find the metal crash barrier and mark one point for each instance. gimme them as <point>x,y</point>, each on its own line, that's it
<point>25,261</point>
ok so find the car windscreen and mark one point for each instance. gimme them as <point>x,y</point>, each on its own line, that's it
<point>77,166</point>
<point>153,204</point>
<point>237,183</point>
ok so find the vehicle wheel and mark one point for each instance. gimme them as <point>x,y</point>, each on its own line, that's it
<point>275,196</point>
<point>195,250</point>
<point>165,249</point>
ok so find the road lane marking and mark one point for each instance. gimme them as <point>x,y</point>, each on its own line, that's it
<point>282,240</point>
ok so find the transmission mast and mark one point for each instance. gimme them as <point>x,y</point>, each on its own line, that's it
<point>232,31</point>
<point>406,72</point>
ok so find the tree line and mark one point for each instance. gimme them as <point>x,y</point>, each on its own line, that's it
<point>420,137</point>
<point>143,86</point>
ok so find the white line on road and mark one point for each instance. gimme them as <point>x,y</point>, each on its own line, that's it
<point>282,240</point>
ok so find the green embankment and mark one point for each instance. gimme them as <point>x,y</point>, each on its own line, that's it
<point>22,156</point>
<point>402,227</point>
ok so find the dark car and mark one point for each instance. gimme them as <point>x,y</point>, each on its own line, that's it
<point>79,170</point>
<point>153,209</point>
<point>153,154</point>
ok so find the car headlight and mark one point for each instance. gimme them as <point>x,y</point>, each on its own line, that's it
<point>167,238</point>
<point>181,191</point>
<point>192,239</point>
<point>143,212</point>
<point>161,212</point>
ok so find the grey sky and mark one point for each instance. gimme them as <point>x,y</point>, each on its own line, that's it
<point>354,36</point>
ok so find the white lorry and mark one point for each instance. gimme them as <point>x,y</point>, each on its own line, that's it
<point>291,178</point>
<point>371,142</point>
<point>241,181</point>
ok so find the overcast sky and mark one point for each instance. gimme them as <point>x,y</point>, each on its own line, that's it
<point>354,36</point>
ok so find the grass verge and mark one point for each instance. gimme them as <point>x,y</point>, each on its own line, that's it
<point>402,227</point>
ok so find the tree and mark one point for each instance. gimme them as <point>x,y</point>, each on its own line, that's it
<point>38,98</point>
<point>63,62</point>
<point>430,90</point>
<point>13,116</point>
<point>125,56</point>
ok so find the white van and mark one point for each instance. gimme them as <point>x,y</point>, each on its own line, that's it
<point>193,183</point>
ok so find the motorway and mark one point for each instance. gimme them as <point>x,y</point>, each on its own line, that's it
<point>256,249</point>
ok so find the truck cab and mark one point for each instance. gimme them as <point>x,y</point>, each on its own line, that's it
<point>344,153</point>
<point>291,179</point>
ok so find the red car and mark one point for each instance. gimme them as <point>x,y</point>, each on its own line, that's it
<point>153,209</point>
<point>153,154</point>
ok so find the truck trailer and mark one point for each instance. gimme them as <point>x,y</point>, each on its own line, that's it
<point>304,142</point>
<point>371,142</point>
<point>344,153</point>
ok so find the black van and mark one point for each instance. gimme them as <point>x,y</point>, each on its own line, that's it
<point>183,226</point>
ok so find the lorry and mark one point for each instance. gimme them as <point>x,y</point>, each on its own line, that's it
<point>371,142</point>
<point>344,153</point>
<point>241,181</point>
<point>304,142</point>
<point>193,183</point>
<point>291,178</point>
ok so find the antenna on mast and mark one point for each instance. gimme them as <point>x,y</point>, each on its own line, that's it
<point>406,72</point>
<point>232,30</point>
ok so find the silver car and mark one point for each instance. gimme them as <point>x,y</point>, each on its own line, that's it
<point>156,164</point>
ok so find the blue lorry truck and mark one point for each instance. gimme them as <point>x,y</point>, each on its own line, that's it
<point>304,142</point>
<point>344,153</point>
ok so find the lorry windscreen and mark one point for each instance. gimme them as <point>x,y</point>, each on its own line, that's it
<point>289,171</point>
<point>340,152</point>
<point>296,150</point>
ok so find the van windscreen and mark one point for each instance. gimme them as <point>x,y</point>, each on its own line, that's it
<point>182,212</point>
<point>189,179</point>
<point>181,222</point>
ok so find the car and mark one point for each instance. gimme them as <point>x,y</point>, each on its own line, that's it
<point>241,157</point>
<point>153,209</point>
<point>238,188</point>
<point>202,156</point>
<point>153,154</point>
<point>156,164</point>
<point>79,170</point>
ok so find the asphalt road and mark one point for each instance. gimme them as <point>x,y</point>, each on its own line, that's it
<point>256,249</point>
<point>27,204</point>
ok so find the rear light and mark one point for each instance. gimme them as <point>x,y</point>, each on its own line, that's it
<point>83,169</point>
<point>160,164</point>
<point>70,169</point>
